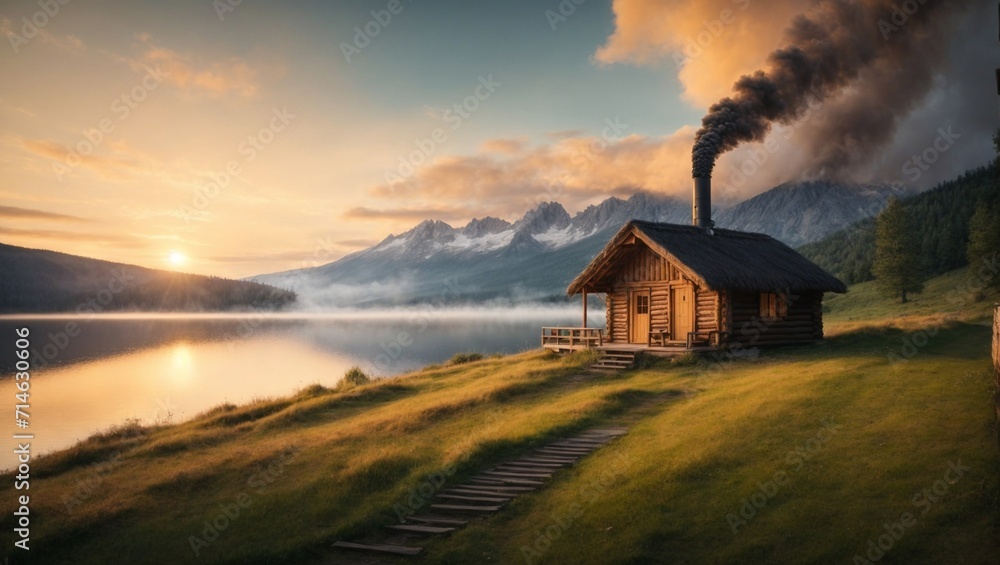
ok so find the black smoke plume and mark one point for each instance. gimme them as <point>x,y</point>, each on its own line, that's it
<point>827,50</point>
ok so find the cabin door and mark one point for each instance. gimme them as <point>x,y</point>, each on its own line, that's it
<point>681,312</point>
<point>639,317</point>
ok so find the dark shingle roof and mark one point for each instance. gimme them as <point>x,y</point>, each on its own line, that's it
<point>720,259</point>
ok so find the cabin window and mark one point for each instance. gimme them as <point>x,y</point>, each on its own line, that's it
<point>773,305</point>
<point>642,304</point>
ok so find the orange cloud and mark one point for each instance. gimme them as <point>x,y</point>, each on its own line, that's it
<point>407,214</point>
<point>709,43</point>
<point>229,76</point>
<point>63,236</point>
<point>30,214</point>
<point>574,171</point>
<point>504,146</point>
<point>66,43</point>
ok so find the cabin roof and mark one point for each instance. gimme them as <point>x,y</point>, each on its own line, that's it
<point>717,259</point>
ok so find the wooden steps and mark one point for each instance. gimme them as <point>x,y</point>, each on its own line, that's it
<point>465,508</point>
<point>440,520</point>
<point>425,530</point>
<point>615,360</point>
<point>488,492</point>
<point>396,549</point>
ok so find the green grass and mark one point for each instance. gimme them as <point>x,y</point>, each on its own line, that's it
<point>324,464</point>
<point>953,296</point>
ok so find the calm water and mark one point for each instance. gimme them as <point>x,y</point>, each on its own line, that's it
<point>173,367</point>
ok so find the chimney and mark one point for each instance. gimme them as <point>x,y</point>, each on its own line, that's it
<point>701,206</point>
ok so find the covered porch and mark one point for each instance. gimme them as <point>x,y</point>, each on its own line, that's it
<point>568,339</point>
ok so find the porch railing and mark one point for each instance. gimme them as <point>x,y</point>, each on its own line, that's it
<point>572,338</point>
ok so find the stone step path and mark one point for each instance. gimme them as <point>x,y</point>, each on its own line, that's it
<point>485,494</point>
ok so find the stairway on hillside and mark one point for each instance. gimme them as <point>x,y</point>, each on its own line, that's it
<point>615,360</point>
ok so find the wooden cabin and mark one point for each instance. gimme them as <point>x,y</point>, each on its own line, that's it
<point>674,287</point>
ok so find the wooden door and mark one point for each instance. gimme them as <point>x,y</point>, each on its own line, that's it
<point>681,312</point>
<point>639,317</point>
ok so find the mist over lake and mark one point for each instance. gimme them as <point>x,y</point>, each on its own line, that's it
<point>168,368</point>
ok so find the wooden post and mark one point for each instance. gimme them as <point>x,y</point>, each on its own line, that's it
<point>584,307</point>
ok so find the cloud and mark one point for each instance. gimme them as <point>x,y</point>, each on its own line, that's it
<point>65,43</point>
<point>63,236</point>
<point>708,43</point>
<point>861,130</point>
<point>574,171</point>
<point>355,243</point>
<point>120,162</point>
<point>29,214</point>
<point>230,76</point>
<point>505,146</point>
<point>422,213</point>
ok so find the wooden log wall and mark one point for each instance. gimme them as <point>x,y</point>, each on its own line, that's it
<point>706,311</point>
<point>659,308</point>
<point>618,316</point>
<point>802,324</point>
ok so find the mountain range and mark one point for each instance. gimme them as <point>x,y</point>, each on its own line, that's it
<point>535,257</point>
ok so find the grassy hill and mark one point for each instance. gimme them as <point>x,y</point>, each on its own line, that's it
<point>943,214</point>
<point>35,280</point>
<point>831,442</point>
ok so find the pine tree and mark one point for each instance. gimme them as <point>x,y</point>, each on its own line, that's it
<point>984,246</point>
<point>897,263</point>
<point>983,250</point>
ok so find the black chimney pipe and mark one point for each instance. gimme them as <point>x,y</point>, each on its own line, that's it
<point>701,206</point>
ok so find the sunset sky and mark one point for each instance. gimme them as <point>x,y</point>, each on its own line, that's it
<point>116,118</point>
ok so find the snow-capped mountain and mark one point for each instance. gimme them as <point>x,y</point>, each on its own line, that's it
<point>536,256</point>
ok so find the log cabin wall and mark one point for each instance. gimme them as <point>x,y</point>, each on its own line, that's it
<point>706,310</point>
<point>647,270</point>
<point>617,316</point>
<point>802,324</point>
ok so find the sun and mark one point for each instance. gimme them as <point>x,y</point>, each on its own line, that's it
<point>176,258</point>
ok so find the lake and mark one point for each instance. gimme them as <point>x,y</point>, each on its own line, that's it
<point>89,373</point>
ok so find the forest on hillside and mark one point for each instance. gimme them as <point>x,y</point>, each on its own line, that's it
<point>39,281</point>
<point>941,216</point>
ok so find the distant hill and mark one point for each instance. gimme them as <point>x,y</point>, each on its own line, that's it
<point>37,281</point>
<point>535,258</point>
<point>941,214</point>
